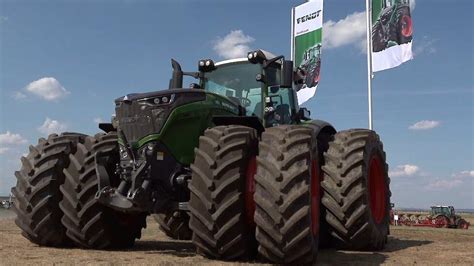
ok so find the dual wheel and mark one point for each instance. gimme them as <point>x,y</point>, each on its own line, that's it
<point>55,195</point>
<point>264,198</point>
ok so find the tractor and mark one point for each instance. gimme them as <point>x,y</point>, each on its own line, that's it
<point>311,65</point>
<point>393,24</point>
<point>232,162</point>
<point>448,217</point>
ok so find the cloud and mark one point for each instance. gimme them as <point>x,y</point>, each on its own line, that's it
<point>350,30</point>
<point>425,45</point>
<point>18,95</point>
<point>404,170</point>
<point>51,126</point>
<point>424,125</point>
<point>98,120</point>
<point>463,174</point>
<point>444,184</point>
<point>9,138</point>
<point>412,5</point>
<point>233,45</point>
<point>457,179</point>
<point>47,88</point>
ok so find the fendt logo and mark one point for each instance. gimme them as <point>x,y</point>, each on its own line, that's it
<point>308,17</point>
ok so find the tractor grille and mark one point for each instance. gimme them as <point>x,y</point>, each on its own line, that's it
<point>137,119</point>
<point>139,115</point>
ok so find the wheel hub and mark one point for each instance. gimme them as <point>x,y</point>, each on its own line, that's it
<point>377,189</point>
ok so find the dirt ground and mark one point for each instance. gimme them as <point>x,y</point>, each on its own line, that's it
<point>407,245</point>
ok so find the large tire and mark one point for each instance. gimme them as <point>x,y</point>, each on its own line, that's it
<point>90,224</point>
<point>356,193</point>
<point>404,27</point>
<point>287,195</point>
<point>217,204</point>
<point>175,224</point>
<point>379,42</point>
<point>37,194</point>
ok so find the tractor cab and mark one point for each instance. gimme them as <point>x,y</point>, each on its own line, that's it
<point>448,211</point>
<point>260,84</point>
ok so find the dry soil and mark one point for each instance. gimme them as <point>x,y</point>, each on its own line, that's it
<point>407,245</point>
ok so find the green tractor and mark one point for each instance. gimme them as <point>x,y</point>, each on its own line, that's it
<point>448,217</point>
<point>393,24</point>
<point>232,163</point>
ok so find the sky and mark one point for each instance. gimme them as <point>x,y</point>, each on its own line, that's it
<point>62,63</point>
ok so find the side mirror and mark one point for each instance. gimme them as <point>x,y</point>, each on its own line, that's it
<point>287,74</point>
<point>304,114</point>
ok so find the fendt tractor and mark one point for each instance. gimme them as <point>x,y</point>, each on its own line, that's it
<point>232,162</point>
<point>393,24</point>
<point>439,217</point>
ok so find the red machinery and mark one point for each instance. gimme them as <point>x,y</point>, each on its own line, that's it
<point>439,217</point>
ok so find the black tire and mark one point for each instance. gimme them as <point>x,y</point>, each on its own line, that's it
<point>37,194</point>
<point>347,191</point>
<point>217,202</point>
<point>400,38</point>
<point>283,193</point>
<point>175,224</point>
<point>90,224</point>
<point>379,42</point>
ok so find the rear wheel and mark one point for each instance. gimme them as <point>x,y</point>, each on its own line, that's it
<point>90,224</point>
<point>405,26</point>
<point>218,185</point>
<point>356,190</point>
<point>174,224</point>
<point>287,195</point>
<point>37,194</point>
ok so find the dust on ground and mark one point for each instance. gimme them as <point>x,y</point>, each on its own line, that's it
<point>407,245</point>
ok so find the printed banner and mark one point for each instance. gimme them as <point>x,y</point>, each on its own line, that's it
<point>392,33</point>
<point>307,37</point>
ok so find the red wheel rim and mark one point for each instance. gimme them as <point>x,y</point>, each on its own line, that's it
<point>315,197</point>
<point>377,189</point>
<point>250,190</point>
<point>407,29</point>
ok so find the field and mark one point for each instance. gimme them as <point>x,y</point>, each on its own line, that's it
<point>407,245</point>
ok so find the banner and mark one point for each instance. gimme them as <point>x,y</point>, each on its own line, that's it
<point>392,33</point>
<point>306,40</point>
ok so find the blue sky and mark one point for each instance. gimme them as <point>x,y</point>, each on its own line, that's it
<point>63,62</point>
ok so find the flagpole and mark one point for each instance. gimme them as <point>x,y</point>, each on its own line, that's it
<point>369,59</point>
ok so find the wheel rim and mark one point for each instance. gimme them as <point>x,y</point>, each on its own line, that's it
<point>377,189</point>
<point>315,196</point>
<point>250,190</point>
<point>406,26</point>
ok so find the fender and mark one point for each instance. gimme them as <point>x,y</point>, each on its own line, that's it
<point>248,121</point>
<point>321,127</point>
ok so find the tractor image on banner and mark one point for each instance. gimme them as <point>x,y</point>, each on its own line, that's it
<point>306,42</point>
<point>392,33</point>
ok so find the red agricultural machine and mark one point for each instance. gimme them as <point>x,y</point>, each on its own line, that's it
<point>439,217</point>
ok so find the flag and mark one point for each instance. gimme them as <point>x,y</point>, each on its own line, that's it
<point>392,33</point>
<point>307,24</point>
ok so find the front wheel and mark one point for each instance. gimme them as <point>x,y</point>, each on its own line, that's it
<point>218,205</point>
<point>90,224</point>
<point>287,195</point>
<point>356,193</point>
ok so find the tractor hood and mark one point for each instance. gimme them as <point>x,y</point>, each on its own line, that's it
<point>142,114</point>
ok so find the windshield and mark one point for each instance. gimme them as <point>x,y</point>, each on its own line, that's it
<point>440,210</point>
<point>237,82</point>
